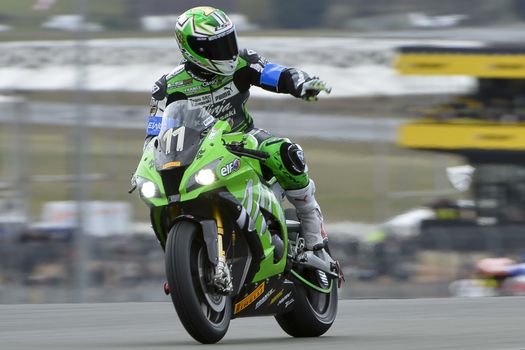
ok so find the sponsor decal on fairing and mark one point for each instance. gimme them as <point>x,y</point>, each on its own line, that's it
<point>248,300</point>
<point>154,124</point>
<point>283,299</point>
<point>264,298</point>
<point>277,296</point>
<point>208,121</point>
<point>231,167</point>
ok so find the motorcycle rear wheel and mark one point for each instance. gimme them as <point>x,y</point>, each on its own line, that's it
<point>313,314</point>
<point>204,314</point>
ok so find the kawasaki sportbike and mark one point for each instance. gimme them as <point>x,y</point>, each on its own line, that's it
<point>231,250</point>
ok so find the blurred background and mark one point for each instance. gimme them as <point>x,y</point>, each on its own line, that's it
<point>417,153</point>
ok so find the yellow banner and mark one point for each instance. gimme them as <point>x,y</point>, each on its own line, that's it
<point>462,136</point>
<point>477,65</point>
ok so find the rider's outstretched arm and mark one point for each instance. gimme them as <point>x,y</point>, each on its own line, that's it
<point>277,78</point>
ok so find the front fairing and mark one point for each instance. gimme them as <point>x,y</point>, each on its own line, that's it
<point>180,138</point>
<point>177,148</point>
<point>146,171</point>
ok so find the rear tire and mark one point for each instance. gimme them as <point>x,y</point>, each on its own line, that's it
<point>204,314</point>
<point>314,312</point>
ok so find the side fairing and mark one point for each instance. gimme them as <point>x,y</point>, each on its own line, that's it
<point>146,170</point>
<point>255,197</point>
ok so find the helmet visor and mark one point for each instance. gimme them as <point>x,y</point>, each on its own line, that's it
<point>222,48</point>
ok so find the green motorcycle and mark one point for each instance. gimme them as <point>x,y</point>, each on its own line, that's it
<point>231,250</point>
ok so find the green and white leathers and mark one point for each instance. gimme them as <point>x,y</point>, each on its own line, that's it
<point>229,250</point>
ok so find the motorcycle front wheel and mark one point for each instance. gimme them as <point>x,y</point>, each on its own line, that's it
<point>204,314</point>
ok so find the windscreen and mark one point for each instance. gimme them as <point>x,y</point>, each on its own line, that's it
<point>182,113</point>
<point>181,132</point>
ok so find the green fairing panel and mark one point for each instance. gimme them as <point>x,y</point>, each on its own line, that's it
<point>146,169</point>
<point>248,185</point>
<point>156,220</point>
<point>244,182</point>
<point>207,157</point>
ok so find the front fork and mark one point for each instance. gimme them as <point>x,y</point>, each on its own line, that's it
<point>213,231</point>
<point>222,278</point>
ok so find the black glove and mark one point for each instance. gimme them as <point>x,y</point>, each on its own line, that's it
<point>312,87</point>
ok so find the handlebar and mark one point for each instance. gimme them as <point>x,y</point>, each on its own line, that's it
<point>239,150</point>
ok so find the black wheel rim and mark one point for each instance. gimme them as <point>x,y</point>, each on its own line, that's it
<point>212,305</point>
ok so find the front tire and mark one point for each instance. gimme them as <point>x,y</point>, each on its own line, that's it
<point>204,314</point>
<point>313,314</point>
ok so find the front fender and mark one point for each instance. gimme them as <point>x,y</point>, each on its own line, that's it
<point>209,234</point>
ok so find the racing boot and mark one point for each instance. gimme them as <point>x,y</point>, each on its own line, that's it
<point>309,214</point>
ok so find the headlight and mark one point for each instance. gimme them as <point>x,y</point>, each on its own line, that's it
<point>148,189</point>
<point>205,177</point>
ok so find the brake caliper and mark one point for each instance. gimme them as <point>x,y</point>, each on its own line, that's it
<point>222,280</point>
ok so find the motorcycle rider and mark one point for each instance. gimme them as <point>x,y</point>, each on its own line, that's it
<point>216,75</point>
<point>501,267</point>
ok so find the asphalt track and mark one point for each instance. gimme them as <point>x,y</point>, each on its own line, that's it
<point>487,323</point>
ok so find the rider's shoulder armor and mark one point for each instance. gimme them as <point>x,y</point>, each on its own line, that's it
<point>252,59</point>
<point>160,90</point>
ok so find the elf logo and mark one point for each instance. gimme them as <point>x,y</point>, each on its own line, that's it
<point>231,167</point>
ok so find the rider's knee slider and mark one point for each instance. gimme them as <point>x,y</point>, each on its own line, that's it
<point>293,158</point>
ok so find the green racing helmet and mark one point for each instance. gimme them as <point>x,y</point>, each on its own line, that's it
<point>206,38</point>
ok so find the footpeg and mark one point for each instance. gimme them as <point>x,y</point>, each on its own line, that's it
<point>335,267</point>
<point>298,247</point>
